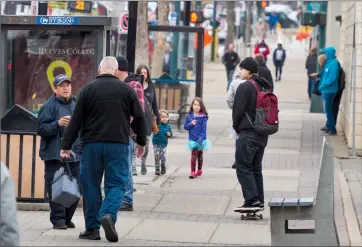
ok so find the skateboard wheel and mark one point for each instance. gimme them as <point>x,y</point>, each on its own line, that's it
<point>261,217</point>
<point>242,217</point>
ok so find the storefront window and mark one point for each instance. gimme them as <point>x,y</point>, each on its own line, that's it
<point>36,57</point>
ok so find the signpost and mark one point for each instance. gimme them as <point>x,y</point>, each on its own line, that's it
<point>123,23</point>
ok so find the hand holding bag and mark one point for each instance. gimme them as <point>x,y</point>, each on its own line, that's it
<point>65,188</point>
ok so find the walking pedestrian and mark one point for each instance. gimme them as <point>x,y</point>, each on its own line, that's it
<point>150,98</point>
<point>9,227</point>
<point>262,48</point>
<point>102,114</point>
<point>263,69</point>
<point>273,22</point>
<point>134,82</point>
<point>230,101</point>
<point>196,125</point>
<point>311,66</point>
<point>53,119</point>
<point>160,142</point>
<point>230,59</point>
<point>250,144</point>
<point>279,57</point>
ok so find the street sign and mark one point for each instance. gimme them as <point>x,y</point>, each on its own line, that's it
<point>316,6</point>
<point>124,23</point>
<point>207,39</point>
<point>57,20</point>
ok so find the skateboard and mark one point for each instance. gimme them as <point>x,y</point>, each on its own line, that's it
<point>248,214</point>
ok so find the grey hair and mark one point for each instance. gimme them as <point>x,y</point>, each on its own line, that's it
<point>108,65</point>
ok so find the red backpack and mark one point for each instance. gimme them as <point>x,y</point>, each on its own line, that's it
<point>266,116</point>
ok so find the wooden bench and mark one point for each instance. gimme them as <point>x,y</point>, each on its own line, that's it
<point>321,210</point>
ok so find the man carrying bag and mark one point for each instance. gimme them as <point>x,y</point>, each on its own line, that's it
<point>53,118</point>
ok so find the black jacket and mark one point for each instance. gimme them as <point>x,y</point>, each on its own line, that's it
<point>103,112</point>
<point>265,72</point>
<point>48,128</point>
<point>245,101</point>
<point>230,60</point>
<point>311,64</point>
<point>150,94</point>
<point>284,56</point>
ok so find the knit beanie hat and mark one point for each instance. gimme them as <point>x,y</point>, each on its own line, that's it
<point>250,64</point>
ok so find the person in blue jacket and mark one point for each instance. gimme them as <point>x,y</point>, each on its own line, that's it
<point>53,119</point>
<point>329,87</point>
<point>160,142</point>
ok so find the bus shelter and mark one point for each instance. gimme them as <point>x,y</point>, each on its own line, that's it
<point>33,50</point>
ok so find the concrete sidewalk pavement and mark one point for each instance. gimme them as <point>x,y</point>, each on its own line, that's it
<point>174,210</point>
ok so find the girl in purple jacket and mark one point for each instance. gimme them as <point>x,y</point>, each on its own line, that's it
<point>196,125</point>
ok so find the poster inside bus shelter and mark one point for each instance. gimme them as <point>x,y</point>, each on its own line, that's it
<point>39,56</point>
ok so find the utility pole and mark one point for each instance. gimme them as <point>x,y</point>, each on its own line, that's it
<point>42,8</point>
<point>248,22</point>
<point>213,33</point>
<point>175,41</point>
<point>131,36</point>
<point>186,22</point>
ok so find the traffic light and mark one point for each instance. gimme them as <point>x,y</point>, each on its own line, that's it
<point>196,17</point>
<point>263,4</point>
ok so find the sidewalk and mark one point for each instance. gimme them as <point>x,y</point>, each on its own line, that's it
<point>174,210</point>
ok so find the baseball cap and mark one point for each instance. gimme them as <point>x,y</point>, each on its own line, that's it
<point>122,63</point>
<point>59,79</point>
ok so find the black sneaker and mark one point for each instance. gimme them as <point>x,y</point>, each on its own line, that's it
<point>92,234</point>
<point>254,206</point>
<point>332,133</point>
<point>70,225</point>
<point>234,166</point>
<point>163,169</point>
<point>60,227</point>
<point>325,129</point>
<point>109,228</point>
<point>157,172</point>
<point>262,205</point>
<point>126,207</point>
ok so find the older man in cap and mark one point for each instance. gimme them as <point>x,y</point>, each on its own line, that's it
<point>53,119</point>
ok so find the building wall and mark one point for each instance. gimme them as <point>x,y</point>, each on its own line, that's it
<point>333,26</point>
<point>351,13</point>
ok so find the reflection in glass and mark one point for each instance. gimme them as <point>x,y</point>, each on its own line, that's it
<point>36,57</point>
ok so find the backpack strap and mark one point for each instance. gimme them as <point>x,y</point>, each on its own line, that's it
<point>256,86</point>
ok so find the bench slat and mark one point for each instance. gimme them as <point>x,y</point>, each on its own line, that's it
<point>290,202</point>
<point>306,202</point>
<point>276,202</point>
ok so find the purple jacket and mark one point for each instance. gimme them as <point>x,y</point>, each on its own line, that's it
<point>197,133</point>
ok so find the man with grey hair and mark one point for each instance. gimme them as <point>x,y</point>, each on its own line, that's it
<point>102,114</point>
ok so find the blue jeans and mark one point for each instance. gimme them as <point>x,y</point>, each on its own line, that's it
<point>112,159</point>
<point>311,82</point>
<point>128,196</point>
<point>328,109</point>
<point>229,73</point>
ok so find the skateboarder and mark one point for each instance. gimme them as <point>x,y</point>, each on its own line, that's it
<point>250,145</point>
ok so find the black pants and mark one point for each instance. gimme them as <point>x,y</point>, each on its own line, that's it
<point>278,70</point>
<point>249,156</point>
<point>59,215</point>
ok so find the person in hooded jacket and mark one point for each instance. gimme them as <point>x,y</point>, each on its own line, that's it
<point>329,86</point>
<point>263,69</point>
<point>250,145</point>
<point>279,56</point>
<point>262,48</point>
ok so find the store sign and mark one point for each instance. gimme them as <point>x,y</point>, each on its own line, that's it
<point>57,20</point>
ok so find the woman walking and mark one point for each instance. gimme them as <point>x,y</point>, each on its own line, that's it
<point>150,94</point>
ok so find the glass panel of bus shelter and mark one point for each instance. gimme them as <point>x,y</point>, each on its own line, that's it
<point>35,57</point>
<point>170,55</point>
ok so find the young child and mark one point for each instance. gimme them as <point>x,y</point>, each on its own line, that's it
<point>160,141</point>
<point>195,124</point>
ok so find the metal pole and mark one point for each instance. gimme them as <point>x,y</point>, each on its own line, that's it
<point>248,22</point>
<point>186,22</point>
<point>353,78</point>
<point>131,36</point>
<point>213,33</point>
<point>199,64</point>
<point>175,42</point>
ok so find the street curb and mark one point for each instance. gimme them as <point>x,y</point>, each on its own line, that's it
<point>349,212</point>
